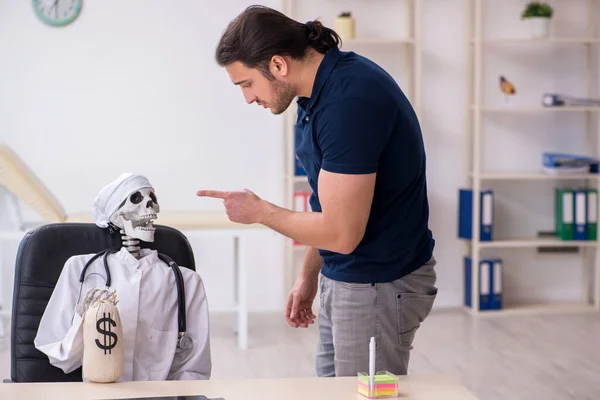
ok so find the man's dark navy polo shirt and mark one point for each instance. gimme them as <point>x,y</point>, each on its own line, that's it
<point>358,121</point>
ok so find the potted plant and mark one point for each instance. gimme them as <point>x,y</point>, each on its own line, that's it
<point>538,14</point>
<point>344,26</point>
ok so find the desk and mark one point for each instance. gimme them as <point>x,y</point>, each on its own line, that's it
<point>413,387</point>
<point>215,224</point>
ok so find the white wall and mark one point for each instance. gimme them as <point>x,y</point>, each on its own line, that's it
<point>134,86</point>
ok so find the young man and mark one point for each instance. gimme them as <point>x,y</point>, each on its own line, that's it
<point>360,142</point>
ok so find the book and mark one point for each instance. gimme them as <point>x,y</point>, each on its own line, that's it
<point>592,213</point>
<point>564,210</point>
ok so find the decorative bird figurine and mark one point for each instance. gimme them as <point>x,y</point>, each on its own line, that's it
<point>507,88</point>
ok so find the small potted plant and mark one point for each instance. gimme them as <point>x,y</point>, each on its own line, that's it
<point>538,14</point>
<point>344,26</point>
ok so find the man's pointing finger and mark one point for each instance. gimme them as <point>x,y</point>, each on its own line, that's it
<point>212,193</point>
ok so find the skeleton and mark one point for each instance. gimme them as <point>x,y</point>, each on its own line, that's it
<point>172,340</point>
<point>134,218</point>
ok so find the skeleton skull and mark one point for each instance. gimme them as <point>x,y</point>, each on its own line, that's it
<point>137,213</point>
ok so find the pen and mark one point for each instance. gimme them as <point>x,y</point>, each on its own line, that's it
<point>372,365</point>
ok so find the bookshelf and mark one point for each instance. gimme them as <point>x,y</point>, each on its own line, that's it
<point>401,47</point>
<point>478,110</point>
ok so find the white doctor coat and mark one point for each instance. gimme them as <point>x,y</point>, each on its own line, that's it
<point>147,304</point>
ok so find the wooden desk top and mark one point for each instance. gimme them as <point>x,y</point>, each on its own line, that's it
<point>413,387</point>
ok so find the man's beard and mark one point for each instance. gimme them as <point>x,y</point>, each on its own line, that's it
<point>283,94</point>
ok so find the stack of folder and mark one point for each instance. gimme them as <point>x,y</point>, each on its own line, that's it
<point>490,283</point>
<point>562,163</point>
<point>576,213</point>
<point>486,214</point>
<point>561,100</point>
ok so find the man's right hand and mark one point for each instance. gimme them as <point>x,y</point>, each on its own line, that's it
<point>298,310</point>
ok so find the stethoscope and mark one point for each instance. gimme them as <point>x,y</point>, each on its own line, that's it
<point>184,342</point>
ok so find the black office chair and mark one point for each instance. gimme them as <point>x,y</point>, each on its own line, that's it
<point>40,258</point>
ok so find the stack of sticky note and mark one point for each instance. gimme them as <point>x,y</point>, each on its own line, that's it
<point>386,385</point>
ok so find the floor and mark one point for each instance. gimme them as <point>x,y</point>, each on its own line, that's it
<point>509,357</point>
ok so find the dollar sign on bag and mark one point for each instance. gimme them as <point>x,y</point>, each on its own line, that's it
<point>101,327</point>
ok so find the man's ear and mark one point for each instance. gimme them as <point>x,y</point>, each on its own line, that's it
<point>278,66</point>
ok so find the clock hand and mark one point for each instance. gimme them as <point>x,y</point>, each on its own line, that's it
<point>55,8</point>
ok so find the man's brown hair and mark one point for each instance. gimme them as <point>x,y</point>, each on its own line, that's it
<point>260,32</point>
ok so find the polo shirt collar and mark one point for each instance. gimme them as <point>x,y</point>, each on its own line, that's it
<point>325,68</point>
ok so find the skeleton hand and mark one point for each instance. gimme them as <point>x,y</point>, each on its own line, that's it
<point>92,296</point>
<point>84,304</point>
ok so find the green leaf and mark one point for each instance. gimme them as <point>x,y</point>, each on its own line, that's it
<point>537,9</point>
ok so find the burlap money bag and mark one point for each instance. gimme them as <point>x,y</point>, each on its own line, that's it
<point>103,355</point>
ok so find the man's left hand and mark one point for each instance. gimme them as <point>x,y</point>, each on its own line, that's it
<point>242,206</point>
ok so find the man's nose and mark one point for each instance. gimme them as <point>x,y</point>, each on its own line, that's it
<point>250,98</point>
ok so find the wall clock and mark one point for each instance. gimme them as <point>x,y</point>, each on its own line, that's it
<point>57,12</point>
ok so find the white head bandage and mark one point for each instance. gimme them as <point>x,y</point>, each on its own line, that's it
<point>113,194</point>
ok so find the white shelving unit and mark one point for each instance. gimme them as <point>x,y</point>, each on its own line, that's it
<point>411,44</point>
<point>476,110</point>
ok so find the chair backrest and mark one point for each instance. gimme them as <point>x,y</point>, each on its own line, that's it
<point>40,259</point>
